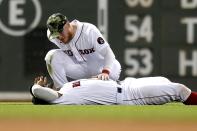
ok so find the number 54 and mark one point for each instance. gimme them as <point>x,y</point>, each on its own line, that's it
<point>143,31</point>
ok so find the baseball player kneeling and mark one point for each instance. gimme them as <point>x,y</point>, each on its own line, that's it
<point>83,52</point>
<point>130,91</point>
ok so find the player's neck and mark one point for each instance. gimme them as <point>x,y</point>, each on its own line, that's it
<point>74,29</point>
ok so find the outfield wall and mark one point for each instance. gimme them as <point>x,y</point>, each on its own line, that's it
<point>149,37</point>
<point>15,96</point>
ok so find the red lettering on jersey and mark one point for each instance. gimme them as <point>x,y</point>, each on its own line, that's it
<point>76,84</point>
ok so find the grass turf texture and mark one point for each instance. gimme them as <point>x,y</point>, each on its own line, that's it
<point>172,111</point>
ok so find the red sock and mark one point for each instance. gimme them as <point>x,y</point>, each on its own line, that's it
<point>192,99</point>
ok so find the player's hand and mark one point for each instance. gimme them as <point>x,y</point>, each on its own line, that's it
<point>40,80</point>
<point>103,76</point>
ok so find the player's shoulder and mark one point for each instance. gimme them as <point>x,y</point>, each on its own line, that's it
<point>88,27</point>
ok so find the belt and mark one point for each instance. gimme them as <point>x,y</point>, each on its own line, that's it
<point>119,93</point>
<point>119,90</point>
<point>119,96</point>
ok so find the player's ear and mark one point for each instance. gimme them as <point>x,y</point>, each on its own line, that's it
<point>68,24</point>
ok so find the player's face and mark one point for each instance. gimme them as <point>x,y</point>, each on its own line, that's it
<point>67,34</point>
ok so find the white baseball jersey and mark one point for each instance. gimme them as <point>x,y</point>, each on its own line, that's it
<point>83,57</point>
<point>131,91</point>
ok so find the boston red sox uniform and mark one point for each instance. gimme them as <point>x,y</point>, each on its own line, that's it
<point>83,57</point>
<point>131,91</point>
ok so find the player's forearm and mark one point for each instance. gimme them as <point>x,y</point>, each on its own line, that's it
<point>109,58</point>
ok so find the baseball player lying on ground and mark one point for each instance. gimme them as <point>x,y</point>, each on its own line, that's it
<point>130,91</point>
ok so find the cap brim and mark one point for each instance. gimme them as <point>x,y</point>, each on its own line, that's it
<point>54,35</point>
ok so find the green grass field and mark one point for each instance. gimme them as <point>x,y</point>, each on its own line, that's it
<point>172,111</point>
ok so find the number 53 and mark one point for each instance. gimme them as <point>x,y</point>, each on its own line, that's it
<point>139,61</point>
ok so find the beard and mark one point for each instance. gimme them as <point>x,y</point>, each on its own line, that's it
<point>70,37</point>
<point>67,38</point>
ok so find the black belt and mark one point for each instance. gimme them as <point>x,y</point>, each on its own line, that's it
<point>119,90</point>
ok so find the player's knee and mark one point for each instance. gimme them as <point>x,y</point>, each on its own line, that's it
<point>50,55</point>
<point>183,91</point>
<point>180,87</point>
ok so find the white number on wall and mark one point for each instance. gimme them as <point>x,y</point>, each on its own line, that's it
<point>135,32</point>
<point>134,66</point>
